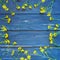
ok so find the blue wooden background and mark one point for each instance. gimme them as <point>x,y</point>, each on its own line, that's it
<point>29,28</point>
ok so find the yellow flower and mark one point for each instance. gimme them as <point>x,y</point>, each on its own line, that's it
<point>7,41</point>
<point>34,52</point>
<point>49,14</point>
<point>6,9</point>
<point>9,20</point>
<point>14,43</point>
<point>6,16</point>
<point>28,57</point>
<point>57,25</point>
<point>42,10</point>
<point>3,28</point>
<point>25,52</point>
<point>4,6</point>
<point>22,58</point>
<point>12,13</point>
<point>41,49</point>
<point>45,47</point>
<point>23,7</point>
<point>25,58</point>
<point>22,50</point>
<point>49,26</point>
<point>51,18</point>
<point>19,48</point>
<point>43,1</point>
<point>35,5</point>
<point>50,34</point>
<point>18,7</point>
<point>55,28</point>
<point>25,4</point>
<point>12,53</point>
<point>55,34</point>
<point>6,35</point>
<point>51,42</point>
<point>50,38</point>
<point>30,7</point>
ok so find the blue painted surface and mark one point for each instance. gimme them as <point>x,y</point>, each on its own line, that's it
<point>52,52</point>
<point>33,21</point>
<point>30,22</point>
<point>29,38</point>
